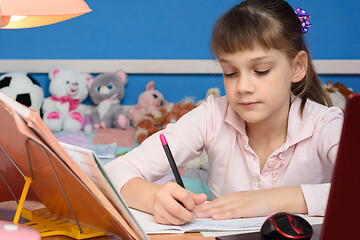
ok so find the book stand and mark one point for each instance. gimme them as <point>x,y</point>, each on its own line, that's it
<point>79,192</point>
<point>42,220</point>
<point>48,225</point>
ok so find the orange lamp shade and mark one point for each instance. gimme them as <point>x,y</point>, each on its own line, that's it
<point>35,13</point>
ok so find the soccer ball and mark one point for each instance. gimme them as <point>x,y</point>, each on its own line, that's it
<point>23,88</point>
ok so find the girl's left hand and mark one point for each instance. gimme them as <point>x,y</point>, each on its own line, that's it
<point>254,203</point>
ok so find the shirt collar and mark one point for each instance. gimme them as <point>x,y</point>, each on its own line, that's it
<point>235,120</point>
<point>299,128</point>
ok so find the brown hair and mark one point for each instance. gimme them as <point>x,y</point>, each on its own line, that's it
<point>272,24</point>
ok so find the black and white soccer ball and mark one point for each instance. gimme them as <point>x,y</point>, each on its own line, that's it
<point>23,88</point>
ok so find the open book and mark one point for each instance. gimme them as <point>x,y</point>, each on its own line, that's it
<point>68,180</point>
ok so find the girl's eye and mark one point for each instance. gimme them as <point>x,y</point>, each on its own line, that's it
<point>109,86</point>
<point>262,72</point>
<point>229,74</point>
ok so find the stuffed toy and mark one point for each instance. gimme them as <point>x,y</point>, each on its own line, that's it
<point>148,101</point>
<point>158,119</point>
<point>62,110</point>
<point>23,88</point>
<point>338,93</point>
<point>106,91</point>
<point>212,91</point>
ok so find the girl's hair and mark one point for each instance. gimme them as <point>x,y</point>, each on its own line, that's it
<point>272,24</point>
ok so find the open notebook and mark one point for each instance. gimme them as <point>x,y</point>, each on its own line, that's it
<point>208,226</point>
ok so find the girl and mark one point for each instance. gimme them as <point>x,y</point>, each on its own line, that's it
<point>271,141</point>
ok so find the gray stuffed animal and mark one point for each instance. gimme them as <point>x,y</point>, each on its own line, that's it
<point>106,91</point>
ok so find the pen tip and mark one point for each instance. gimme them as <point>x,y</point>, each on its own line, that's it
<point>163,139</point>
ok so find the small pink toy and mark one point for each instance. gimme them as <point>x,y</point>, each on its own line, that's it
<point>148,101</point>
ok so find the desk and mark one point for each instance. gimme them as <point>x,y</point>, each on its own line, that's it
<point>7,212</point>
<point>185,236</point>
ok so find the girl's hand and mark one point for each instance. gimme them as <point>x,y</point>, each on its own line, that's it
<point>254,203</point>
<point>175,205</point>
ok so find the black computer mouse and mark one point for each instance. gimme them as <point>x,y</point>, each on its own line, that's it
<point>286,226</point>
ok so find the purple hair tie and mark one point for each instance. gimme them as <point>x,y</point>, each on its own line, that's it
<point>303,16</point>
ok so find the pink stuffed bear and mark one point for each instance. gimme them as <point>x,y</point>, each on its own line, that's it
<point>148,101</point>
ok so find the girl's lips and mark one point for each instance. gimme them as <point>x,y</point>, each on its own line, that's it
<point>248,104</point>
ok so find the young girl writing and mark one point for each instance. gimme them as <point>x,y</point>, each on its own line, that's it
<point>271,141</point>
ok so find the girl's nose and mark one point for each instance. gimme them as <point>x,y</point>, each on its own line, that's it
<point>245,84</point>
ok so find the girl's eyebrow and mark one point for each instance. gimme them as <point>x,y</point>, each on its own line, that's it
<point>257,59</point>
<point>223,60</point>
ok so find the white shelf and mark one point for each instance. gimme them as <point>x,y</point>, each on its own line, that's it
<point>154,66</point>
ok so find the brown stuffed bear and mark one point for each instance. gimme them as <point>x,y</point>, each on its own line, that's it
<point>158,119</point>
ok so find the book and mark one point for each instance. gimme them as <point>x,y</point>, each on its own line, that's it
<point>92,167</point>
<point>86,197</point>
<point>103,151</point>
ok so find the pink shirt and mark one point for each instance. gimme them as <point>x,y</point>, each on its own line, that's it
<point>306,158</point>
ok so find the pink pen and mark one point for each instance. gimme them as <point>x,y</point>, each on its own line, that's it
<point>171,161</point>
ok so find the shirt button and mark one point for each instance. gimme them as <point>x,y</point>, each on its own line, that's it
<point>270,164</point>
<point>259,183</point>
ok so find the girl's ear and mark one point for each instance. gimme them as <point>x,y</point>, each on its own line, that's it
<point>300,64</point>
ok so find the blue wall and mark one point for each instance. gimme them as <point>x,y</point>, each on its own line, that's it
<point>176,29</point>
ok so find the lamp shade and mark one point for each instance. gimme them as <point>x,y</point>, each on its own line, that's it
<point>35,13</point>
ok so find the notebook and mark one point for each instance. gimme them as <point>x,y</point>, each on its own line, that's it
<point>343,206</point>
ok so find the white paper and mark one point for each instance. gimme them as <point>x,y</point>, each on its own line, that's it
<point>19,108</point>
<point>150,226</point>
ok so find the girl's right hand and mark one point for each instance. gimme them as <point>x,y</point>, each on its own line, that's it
<point>175,205</point>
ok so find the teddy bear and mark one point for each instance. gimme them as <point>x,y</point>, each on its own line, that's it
<point>159,118</point>
<point>106,91</point>
<point>63,109</point>
<point>149,100</point>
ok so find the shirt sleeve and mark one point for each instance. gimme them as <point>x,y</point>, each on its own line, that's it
<point>329,127</point>
<point>148,161</point>
<point>316,197</point>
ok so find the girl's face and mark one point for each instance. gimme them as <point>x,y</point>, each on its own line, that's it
<point>258,83</point>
